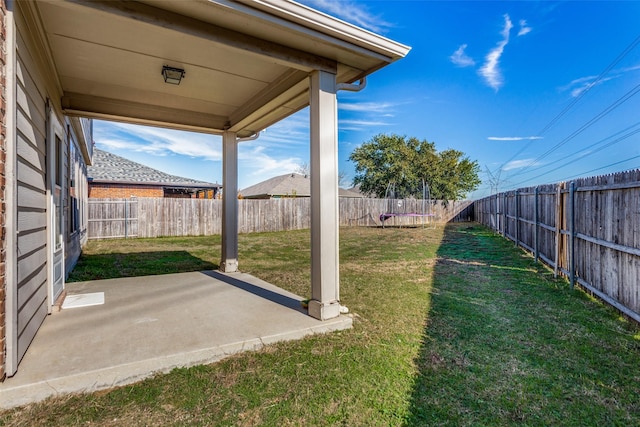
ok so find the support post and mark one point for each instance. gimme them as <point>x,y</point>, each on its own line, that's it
<point>229,261</point>
<point>9,341</point>
<point>325,292</point>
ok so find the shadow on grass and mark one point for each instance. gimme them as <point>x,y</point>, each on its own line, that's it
<point>134,264</point>
<point>506,343</point>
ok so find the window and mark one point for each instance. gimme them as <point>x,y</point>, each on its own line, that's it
<point>74,191</point>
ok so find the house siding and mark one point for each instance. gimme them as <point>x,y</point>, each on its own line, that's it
<point>75,204</point>
<point>3,134</point>
<point>31,208</point>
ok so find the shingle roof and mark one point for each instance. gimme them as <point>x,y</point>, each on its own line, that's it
<point>109,168</point>
<point>288,185</point>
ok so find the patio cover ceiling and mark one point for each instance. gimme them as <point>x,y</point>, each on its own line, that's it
<point>247,62</point>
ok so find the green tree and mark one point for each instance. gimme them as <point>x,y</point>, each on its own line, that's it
<point>407,163</point>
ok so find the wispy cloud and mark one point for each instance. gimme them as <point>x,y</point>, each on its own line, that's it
<point>368,107</point>
<point>582,84</point>
<point>258,164</point>
<point>524,28</point>
<point>514,138</point>
<point>490,71</point>
<point>156,141</point>
<point>354,125</point>
<point>461,59</point>
<point>352,12</point>
<point>588,85</point>
<point>289,133</point>
<point>269,155</point>
<point>632,68</point>
<point>518,164</point>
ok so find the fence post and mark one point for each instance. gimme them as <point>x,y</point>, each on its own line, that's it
<point>504,214</point>
<point>517,221</point>
<point>497,206</point>
<point>572,231</point>
<point>126,218</point>
<point>537,225</point>
<point>559,215</point>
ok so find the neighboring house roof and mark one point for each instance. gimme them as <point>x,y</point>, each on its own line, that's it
<point>357,192</point>
<point>288,185</point>
<point>110,168</point>
<point>353,192</point>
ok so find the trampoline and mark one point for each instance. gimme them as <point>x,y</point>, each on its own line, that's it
<point>408,212</point>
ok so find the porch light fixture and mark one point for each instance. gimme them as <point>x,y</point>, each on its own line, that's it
<point>172,75</point>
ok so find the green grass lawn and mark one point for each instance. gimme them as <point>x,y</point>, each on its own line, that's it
<point>452,326</point>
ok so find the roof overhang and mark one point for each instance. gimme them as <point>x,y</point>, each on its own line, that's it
<point>246,62</point>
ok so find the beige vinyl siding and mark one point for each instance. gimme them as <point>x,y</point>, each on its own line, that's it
<point>31,197</point>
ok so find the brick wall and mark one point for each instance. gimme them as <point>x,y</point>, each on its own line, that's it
<point>105,191</point>
<point>3,133</point>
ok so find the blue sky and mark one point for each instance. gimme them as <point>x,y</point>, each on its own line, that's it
<point>537,92</point>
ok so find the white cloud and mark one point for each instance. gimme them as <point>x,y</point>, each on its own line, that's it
<point>275,152</point>
<point>288,133</point>
<point>351,12</point>
<point>524,28</point>
<point>490,71</point>
<point>632,68</point>
<point>583,84</point>
<point>513,138</point>
<point>156,141</point>
<point>368,107</point>
<point>256,164</point>
<point>518,164</point>
<point>363,123</point>
<point>461,59</point>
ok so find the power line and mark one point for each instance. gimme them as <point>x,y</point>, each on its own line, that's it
<point>592,84</point>
<point>553,121</point>
<point>582,128</point>
<point>622,138</point>
<point>604,167</point>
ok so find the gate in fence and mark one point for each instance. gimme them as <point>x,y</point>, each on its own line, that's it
<point>113,218</point>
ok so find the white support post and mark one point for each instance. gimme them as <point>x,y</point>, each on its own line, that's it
<point>325,278</point>
<point>10,325</point>
<point>229,261</point>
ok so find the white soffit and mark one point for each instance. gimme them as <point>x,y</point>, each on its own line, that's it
<point>246,62</point>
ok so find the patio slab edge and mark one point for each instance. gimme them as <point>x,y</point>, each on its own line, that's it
<point>129,373</point>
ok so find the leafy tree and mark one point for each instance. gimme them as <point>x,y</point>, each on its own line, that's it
<point>407,162</point>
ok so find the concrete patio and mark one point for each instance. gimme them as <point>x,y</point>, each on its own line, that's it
<point>153,324</point>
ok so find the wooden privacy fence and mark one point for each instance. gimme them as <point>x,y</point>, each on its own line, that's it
<point>156,217</point>
<point>116,218</point>
<point>588,230</point>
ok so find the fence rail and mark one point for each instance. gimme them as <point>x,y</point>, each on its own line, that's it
<point>156,217</point>
<point>588,230</point>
